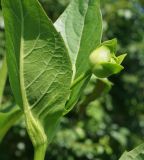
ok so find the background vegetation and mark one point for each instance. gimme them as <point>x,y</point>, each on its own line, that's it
<point>100,127</point>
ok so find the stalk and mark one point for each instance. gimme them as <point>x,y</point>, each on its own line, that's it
<point>80,78</point>
<point>39,152</point>
<point>37,135</point>
<point>3,75</point>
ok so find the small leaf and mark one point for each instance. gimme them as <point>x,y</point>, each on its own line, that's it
<point>121,58</point>
<point>135,154</point>
<point>75,93</point>
<point>107,69</point>
<point>111,44</point>
<point>8,119</point>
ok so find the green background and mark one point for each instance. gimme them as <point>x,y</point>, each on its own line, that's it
<point>103,128</point>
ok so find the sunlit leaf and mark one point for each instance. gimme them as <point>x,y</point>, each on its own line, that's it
<point>39,66</point>
<point>81,28</point>
<point>135,154</point>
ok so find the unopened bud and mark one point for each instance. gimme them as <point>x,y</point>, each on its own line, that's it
<point>104,62</point>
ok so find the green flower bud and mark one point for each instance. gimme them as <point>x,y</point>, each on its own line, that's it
<point>101,54</point>
<point>103,60</point>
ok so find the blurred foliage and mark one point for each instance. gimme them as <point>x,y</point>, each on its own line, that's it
<point>100,127</point>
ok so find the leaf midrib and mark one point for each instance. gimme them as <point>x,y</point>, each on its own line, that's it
<point>33,123</point>
<point>23,92</point>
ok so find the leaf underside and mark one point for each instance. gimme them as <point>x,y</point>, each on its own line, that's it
<point>38,63</point>
<point>44,77</point>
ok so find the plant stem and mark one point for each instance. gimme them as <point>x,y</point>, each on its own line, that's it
<point>39,152</point>
<point>37,135</point>
<point>3,75</point>
<point>80,78</point>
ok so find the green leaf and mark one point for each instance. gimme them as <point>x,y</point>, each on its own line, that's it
<point>76,93</point>
<point>81,28</point>
<point>39,66</point>
<point>121,58</point>
<point>8,119</point>
<point>107,69</point>
<point>111,44</point>
<point>135,154</point>
<point>3,77</point>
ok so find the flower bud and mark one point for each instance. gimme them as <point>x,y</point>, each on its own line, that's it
<point>101,54</point>
<point>103,60</point>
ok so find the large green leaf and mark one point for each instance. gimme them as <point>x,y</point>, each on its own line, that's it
<point>135,154</point>
<point>81,28</point>
<point>3,77</point>
<point>39,66</point>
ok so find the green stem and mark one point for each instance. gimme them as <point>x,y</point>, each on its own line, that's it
<point>3,77</point>
<point>39,152</point>
<point>37,135</point>
<point>80,78</point>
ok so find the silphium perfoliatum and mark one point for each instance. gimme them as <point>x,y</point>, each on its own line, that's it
<point>103,60</point>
